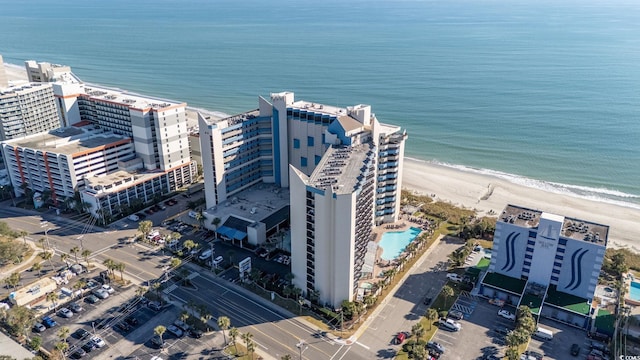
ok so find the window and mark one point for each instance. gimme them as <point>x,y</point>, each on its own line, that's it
<point>303,161</point>
<point>318,159</point>
<point>310,141</point>
<point>296,143</point>
<point>323,140</point>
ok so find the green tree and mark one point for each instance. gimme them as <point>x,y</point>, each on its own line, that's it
<point>189,244</point>
<point>285,357</point>
<point>85,254</point>
<point>52,297</point>
<point>46,256</point>
<point>619,263</point>
<point>13,280</point>
<point>65,259</point>
<point>140,291</point>
<point>160,330</point>
<point>223,324</point>
<point>175,262</point>
<point>248,342</point>
<point>184,316</point>
<point>20,319</point>
<point>144,227</point>
<point>37,267</point>
<point>120,267</point>
<point>512,354</point>
<point>79,285</point>
<point>448,292</point>
<point>62,348</point>
<point>35,343</point>
<point>216,221</point>
<point>63,333</point>
<point>233,335</point>
<point>75,251</point>
<point>205,316</point>
<point>417,331</point>
<point>432,315</point>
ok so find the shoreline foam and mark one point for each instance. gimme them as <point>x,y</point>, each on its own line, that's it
<point>486,193</point>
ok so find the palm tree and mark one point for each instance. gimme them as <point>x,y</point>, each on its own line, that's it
<point>85,254</point>
<point>65,259</point>
<point>224,323</point>
<point>432,315</point>
<point>63,333</point>
<point>200,219</point>
<point>62,347</point>
<point>417,330</point>
<point>43,243</point>
<point>447,291</point>
<point>175,262</point>
<point>23,234</point>
<point>233,335</point>
<point>37,266</point>
<point>141,290</point>
<point>189,244</point>
<point>53,298</point>
<point>144,227</point>
<point>110,264</point>
<point>120,267</point>
<point>215,222</point>
<point>184,316</point>
<point>46,256</point>
<point>205,316</point>
<point>75,250</point>
<point>156,286</point>
<point>248,341</point>
<point>160,330</point>
<point>79,286</point>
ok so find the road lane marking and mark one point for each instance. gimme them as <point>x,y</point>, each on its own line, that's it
<point>363,345</point>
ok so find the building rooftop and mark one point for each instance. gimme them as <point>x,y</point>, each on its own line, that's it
<point>130,100</point>
<point>22,88</point>
<point>567,301</point>
<point>69,140</point>
<point>572,228</point>
<point>341,168</point>
<point>253,204</point>
<point>504,282</point>
<point>319,108</point>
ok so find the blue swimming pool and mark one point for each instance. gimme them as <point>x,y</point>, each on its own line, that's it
<point>394,243</point>
<point>634,291</point>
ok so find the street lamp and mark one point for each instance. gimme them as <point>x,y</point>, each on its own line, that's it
<point>45,225</point>
<point>80,238</point>
<point>300,347</point>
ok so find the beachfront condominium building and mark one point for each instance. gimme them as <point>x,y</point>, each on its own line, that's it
<point>61,159</point>
<point>548,262</point>
<point>44,71</point>
<point>27,109</point>
<point>286,141</point>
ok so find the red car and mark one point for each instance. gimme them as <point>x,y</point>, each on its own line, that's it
<point>399,339</point>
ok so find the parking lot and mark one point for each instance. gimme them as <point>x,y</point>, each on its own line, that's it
<point>483,334</point>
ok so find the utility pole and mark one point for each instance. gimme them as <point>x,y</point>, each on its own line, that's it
<point>301,345</point>
<point>45,224</point>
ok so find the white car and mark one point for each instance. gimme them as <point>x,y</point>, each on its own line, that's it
<point>205,254</point>
<point>193,214</point>
<point>64,312</point>
<point>133,217</point>
<point>449,324</point>
<point>100,293</point>
<point>218,260</point>
<point>107,288</point>
<point>507,315</point>
<point>98,342</point>
<point>454,277</point>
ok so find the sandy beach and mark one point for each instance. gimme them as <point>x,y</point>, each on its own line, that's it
<point>485,193</point>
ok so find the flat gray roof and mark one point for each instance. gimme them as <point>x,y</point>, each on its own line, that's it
<point>265,199</point>
<point>341,168</point>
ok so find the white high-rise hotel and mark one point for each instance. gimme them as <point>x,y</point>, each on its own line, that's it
<point>344,171</point>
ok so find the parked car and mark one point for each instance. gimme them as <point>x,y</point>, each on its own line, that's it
<point>123,326</point>
<point>181,324</point>
<point>175,330</point>
<point>141,216</point>
<point>80,333</point>
<point>575,349</point>
<point>399,338</point>
<point>100,293</point>
<point>75,307</point>
<point>496,302</point>
<point>38,327</point>
<point>262,252</point>
<point>205,254</point>
<point>88,346</point>
<point>507,315</point>
<point>449,324</point>
<point>195,333</point>
<point>157,341</point>
<point>427,301</point>
<point>501,330</point>
<point>65,313</point>
<point>218,260</point>
<point>454,277</point>
<point>108,288</point>
<point>91,299</point>
<point>193,214</point>
<point>154,305</point>
<point>432,345</point>
<point>455,314</point>
<point>133,217</point>
<point>148,212</point>
<point>131,321</point>
<point>49,322</point>
<point>78,353</point>
<point>98,342</point>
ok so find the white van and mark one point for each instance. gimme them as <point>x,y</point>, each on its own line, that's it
<point>543,334</point>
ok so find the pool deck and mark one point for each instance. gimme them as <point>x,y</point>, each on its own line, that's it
<point>628,278</point>
<point>381,265</point>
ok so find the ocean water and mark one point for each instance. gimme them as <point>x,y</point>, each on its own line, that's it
<point>543,93</point>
